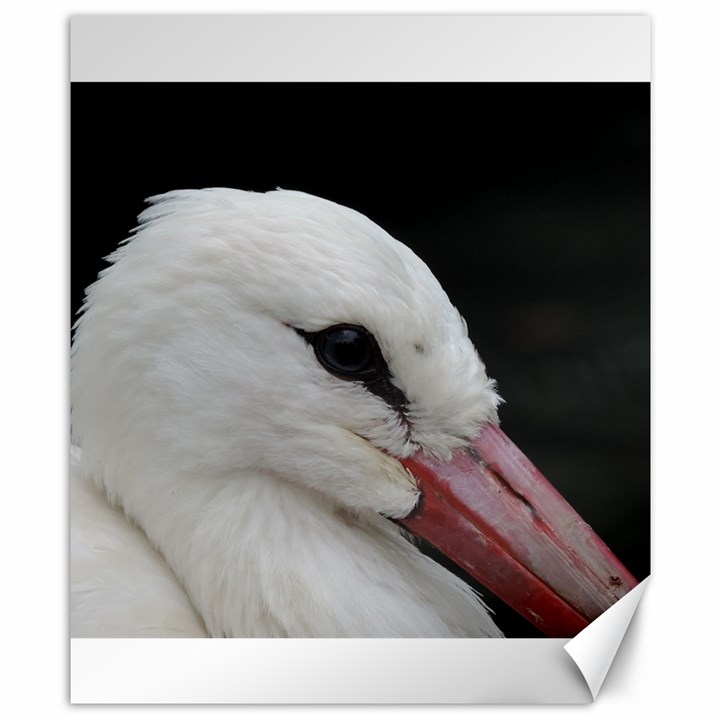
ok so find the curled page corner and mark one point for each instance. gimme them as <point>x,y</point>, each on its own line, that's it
<point>594,648</point>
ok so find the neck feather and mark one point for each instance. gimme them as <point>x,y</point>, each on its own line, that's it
<point>263,557</point>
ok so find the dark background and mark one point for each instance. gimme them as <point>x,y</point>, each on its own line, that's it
<point>530,203</point>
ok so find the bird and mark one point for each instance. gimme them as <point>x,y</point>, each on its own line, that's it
<point>272,399</point>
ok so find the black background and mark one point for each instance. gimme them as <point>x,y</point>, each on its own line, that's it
<point>530,203</point>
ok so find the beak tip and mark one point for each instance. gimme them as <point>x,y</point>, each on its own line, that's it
<point>494,514</point>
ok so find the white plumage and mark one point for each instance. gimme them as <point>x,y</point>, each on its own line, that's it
<point>250,488</point>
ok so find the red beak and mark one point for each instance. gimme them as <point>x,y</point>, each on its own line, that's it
<point>491,511</point>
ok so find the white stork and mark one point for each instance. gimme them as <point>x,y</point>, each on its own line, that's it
<point>264,387</point>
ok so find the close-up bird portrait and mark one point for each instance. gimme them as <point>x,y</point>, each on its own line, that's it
<point>362,360</point>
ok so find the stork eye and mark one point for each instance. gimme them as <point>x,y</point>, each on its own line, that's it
<point>348,351</point>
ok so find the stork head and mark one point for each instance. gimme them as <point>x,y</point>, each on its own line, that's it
<point>287,334</point>
<point>277,331</point>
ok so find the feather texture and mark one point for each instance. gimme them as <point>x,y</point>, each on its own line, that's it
<point>255,486</point>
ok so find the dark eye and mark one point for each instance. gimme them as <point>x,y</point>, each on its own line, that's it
<point>349,351</point>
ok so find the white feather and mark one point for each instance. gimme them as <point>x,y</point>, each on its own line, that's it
<point>262,479</point>
<point>119,583</point>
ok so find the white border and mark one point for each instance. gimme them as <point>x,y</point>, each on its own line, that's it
<point>352,671</point>
<point>324,671</point>
<point>346,48</point>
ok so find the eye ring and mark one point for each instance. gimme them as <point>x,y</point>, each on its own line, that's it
<point>347,351</point>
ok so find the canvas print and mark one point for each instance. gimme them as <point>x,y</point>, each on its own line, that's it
<point>358,359</point>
